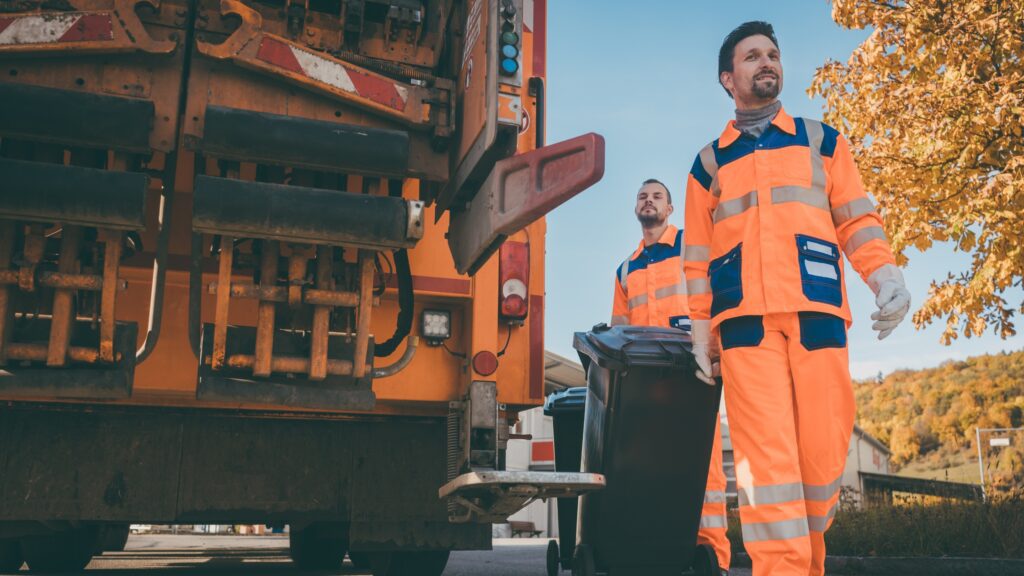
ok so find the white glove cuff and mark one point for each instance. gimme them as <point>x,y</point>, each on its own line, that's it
<point>885,273</point>
<point>701,331</point>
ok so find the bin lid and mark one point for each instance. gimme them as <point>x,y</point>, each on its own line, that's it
<point>568,400</point>
<point>621,347</point>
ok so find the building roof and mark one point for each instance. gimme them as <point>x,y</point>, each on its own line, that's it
<point>860,433</point>
<point>561,372</point>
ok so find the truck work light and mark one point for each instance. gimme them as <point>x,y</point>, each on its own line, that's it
<point>437,326</point>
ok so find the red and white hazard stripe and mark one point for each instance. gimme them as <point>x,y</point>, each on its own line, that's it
<point>54,28</point>
<point>332,73</point>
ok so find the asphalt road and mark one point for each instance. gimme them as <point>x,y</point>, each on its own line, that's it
<point>157,554</point>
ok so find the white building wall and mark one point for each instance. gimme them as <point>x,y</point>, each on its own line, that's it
<point>517,457</point>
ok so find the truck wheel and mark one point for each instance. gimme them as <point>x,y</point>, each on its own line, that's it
<point>360,560</point>
<point>428,563</point>
<point>311,550</point>
<point>10,556</point>
<point>67,551</point>
<point>112,538</point>
<point>583,561</point>
<point>552,559</point>
<point>705,561</point>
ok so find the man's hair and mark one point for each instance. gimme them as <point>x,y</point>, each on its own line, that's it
<point>656,181</point>
<point>742,32</point>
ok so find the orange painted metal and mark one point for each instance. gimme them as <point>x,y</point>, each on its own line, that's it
<point>311,296</point>
<point>6,310</point>
<point>108,298</point>
<point>265,316</point>
<point>41,353</point>
<point>220,324</point>
<point>321,316</point>
<point>47,279</point>
<point>63,299</point>
<point>363,313</point>
<point>292,364</point>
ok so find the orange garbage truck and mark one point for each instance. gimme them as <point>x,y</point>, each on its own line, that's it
<point>273,261</point>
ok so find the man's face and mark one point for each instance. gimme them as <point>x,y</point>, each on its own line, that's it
<point>756,77</point>
<point>652,205</point>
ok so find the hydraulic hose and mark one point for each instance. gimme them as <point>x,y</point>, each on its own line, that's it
<point>405,295</point>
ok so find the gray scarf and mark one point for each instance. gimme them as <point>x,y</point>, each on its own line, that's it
<point>756,121</point>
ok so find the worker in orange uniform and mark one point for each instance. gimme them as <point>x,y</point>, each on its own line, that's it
<point>771,207</point>
<point>650,290</point>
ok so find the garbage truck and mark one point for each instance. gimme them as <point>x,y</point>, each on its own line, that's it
<point>273,261</point>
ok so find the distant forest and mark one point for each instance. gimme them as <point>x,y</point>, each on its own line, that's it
<point>928,417</point>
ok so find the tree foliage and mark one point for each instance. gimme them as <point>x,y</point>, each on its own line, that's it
<point>931,414</point>
<point>933,106</point>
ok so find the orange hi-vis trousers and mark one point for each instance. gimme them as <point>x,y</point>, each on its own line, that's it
<point>713,523</point>
<point>791,409</point>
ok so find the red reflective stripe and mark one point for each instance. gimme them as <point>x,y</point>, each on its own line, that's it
<point>279,54</point>
<point>90,27</point>
<point>540,37</point>
<point>536,346</point>
<point>542,451</point>
<point>376,89</point>
<point>5,22</point>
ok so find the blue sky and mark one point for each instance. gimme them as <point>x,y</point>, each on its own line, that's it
<point>643,74</point>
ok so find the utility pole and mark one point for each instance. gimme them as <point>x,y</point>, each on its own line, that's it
<point>981,464</point>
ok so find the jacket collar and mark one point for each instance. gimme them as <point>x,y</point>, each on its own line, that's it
<point>782,121</point>
<point>668,237</point>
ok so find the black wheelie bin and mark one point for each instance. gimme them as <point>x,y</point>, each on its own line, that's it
<point>648,427</point>
<point>566,410</point>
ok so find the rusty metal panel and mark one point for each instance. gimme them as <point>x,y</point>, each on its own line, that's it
<point>42,192</point>
<point>75,118</point>
<point>70,465</point>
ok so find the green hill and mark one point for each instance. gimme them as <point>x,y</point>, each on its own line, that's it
<point>928,417</point>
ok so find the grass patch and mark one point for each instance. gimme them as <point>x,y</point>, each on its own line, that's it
<point>993,529</point>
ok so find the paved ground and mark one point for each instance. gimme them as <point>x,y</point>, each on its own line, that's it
<point>239,555</point>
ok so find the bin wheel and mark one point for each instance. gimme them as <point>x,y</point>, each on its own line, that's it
<point>66,551</point>
<point>553,560</point>
<point>311,549</point>
<point>10,556</point>
<point>360,560</point>
<point>583,561</point>
<point>705,561</point>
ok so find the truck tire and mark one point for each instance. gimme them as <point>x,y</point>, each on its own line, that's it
<point>10,556</point>
<point>311,550</point>
<point>67,551</point>
<point>112,538</point>
<point>427,563</point>
<point>360,560</point>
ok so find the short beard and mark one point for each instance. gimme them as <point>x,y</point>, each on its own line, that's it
<point>766,92</point>
<point>650,221</point>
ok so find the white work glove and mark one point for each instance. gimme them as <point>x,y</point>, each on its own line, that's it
<point>891,297</point>
<point>705,351</point>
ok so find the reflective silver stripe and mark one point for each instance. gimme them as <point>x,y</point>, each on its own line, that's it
<point>862,237</point>
<point>851,210</point>
<point>820,523</point>
<point>707,159</point>
<point>713,522</point>
<point>735,206</point>
<point>714,497</point>
<point>697,253</point>
<point>822,493</point>
<point>815,134</point>
<point>619,320</point>
<point>760,495</point>
<point>673,290</point>
<point>784,530</point>
<point>814,197</point>
<point>637,301</point>
<point>623,273</point>
<point>698,286</point>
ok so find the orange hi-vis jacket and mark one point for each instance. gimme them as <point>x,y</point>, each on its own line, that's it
<point>766,218</point>
<point>650,288</point>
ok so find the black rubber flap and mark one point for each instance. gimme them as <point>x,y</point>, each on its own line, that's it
<point>620,347</point>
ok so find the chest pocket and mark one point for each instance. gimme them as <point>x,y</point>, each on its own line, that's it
<point>725,273</point>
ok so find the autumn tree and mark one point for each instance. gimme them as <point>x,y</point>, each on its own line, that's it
<point>933,106</point>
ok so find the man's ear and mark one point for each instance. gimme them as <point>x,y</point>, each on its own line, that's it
<point>670,210</point>
<point>726,79</point>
